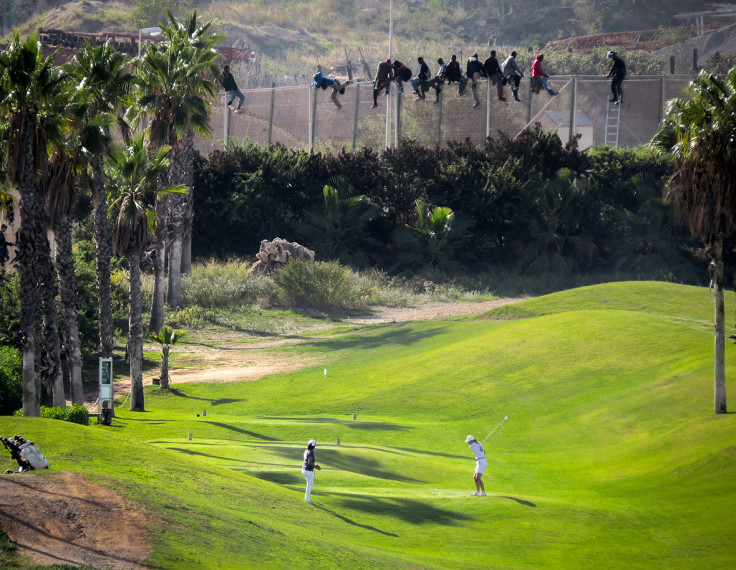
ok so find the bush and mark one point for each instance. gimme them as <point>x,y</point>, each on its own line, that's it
<point>326,285</point>
<point>77,414</point>
<point>215,285</point>
<point>11,381</point>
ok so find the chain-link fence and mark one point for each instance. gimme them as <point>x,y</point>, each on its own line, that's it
<point>304,118</point>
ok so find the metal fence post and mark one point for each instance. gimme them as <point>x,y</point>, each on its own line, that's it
<point>397,119</point>
<point>573,107</point>
<point>226,125</point>
<point>663,97</point>
<point>529,103</point>
<point>312,116</point>
<point>270,114</point>
<point>355,119</point>
<point>441,97</point>
<point>488,110</point>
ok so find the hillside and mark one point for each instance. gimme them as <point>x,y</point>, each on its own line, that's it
<point>612,456</point>
<point>323,28</point>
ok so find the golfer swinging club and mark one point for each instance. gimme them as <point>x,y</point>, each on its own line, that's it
<point>308,469</point>
<point>480,465</point>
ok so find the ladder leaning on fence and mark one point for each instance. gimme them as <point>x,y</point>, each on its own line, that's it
<point>613,120</point>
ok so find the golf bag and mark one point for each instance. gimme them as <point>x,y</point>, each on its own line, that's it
<point>25,453</point>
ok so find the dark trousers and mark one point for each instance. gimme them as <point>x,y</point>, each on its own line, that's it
<point>616,86</point>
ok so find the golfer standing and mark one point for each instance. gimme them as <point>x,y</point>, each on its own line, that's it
<point>476,449</point>
<point>308,469</point>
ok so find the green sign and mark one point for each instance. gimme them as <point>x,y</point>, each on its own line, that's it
<point>105,371</point>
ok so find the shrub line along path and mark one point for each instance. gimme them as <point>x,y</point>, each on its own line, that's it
<point>62,518</point>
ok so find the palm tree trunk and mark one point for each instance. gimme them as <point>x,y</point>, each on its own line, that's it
<point>186,247</point>
<point>157,298</point>
<point>51,345</point>
<point>135,335</point>
<point>165,367</point>
<point>103,254</point>
<point>69,301</point>
<point>173,295</point>
<point>720,326</point>
<point>28,251</point>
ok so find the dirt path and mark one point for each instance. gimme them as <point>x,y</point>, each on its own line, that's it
<point>60,518</point>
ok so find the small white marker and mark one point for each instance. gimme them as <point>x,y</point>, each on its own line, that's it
<point>325,371</point>
<point>190,437</point>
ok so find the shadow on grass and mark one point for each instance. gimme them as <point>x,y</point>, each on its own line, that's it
<point>520,501</point>
<point>278,477</point>
<point>424,452</point>
<point>355,424</point>
<point>334,459</point>
<point>217,402</point>
<point>243,431</point>
<point>404,336</point>
<point>352,522</point>
<point>408,510</point>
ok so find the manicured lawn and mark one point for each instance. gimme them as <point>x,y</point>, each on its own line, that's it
<point>612,457</point>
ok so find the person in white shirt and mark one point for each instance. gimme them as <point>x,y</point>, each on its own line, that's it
<point>477,450</point>
<point>308,469</point>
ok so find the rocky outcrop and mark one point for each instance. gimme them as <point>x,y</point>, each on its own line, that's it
<point>274,255</point>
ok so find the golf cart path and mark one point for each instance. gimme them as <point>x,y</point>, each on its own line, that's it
<point>62,518</point>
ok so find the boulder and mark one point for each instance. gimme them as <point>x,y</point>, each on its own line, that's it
<point>274,255</point>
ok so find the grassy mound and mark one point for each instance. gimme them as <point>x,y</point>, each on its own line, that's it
<point>612,456</point>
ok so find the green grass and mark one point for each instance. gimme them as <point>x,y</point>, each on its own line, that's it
<point>612,457</point>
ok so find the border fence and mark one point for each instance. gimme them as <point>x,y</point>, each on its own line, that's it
<point>302,117</point>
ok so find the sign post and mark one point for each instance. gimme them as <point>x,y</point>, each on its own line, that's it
<point>106,402</point>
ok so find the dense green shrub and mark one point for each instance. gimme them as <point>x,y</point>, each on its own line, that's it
<point>324,285</point>
<point>76,414</point>
<point>213,284</point>
<point>9,309</point>
<point>11,382</point>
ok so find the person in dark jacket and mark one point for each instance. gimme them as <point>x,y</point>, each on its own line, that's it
<point>401,74</point>
<point>384,73</point>
<point>438,80</point>
<point>474,71</point>
<point>455,75</point>
<point>492,70</point>
<point>308,468</point>
<point>228,83</point>
<point>4,244</point>
<point>618,72</point>
<point>420,83</point>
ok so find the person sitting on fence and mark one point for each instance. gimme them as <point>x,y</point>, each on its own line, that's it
<point>438,80</point>
<point>228,83</point>
<point>512,72</point>
<point>320,81</point>
<point>539,77</point>
<point>473,71</point>
<point>401,74</point>
<point>384,73</point>
<point>455,75</point>
<point>492,70</point>
<point>419,83</point>
<point>618,72</point>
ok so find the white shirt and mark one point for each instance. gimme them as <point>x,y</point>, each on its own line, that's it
<point>477,450</point>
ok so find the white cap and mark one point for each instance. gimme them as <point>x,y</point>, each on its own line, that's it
<point>469,439</point>
<point>611,53</point>
<point>312,442</point>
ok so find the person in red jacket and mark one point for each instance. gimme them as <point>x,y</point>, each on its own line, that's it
<point>540,76</point>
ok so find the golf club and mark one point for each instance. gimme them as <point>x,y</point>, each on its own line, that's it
<point>505,419</point>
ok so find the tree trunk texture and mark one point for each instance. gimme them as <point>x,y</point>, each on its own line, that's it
<point>69,304</point>
<point>103,254</point>
<point>157,298</point>
<point>720,337</point>
<point>51,373</point>
<point>29,250</point>
<point>178,211</point>
<point>135,336</point>
<point>165,380</point>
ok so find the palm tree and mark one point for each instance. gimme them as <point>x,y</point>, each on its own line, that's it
<point>698,133</point>
<point>436,240</point>
<point>134,173</point>
<point>175,97</point>
<point>167,338</point>
<point>29,84</point>
<point>337,230</point>
<point>102,84</point>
